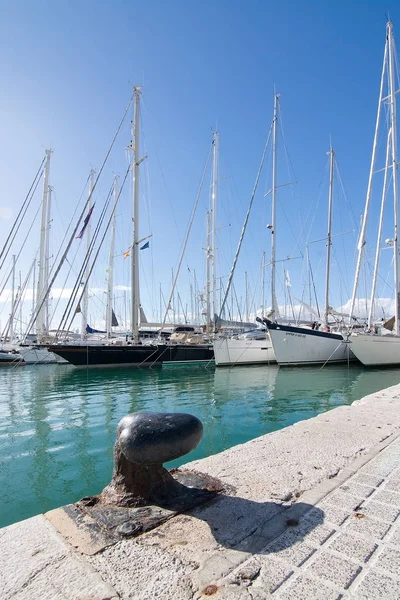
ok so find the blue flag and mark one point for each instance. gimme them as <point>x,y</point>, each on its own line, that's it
<point>146,245</point>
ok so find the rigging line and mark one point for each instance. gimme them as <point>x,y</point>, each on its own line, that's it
<point>33,185</point>
<point>245,224</point>
<point>17,301</point>
<point>317,201</point>
<point>72,237</point>
<point>70,223</point>
<point>22,246</point>
<point>29,230</point>
<point>291,172</point>
<point>103,237</point>
<point>81,273</point>
<point>349,206</point>
<point>144,105</point>
<point>187,235</point>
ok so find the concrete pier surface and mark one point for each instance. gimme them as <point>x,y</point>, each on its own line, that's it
<point>310,511</point>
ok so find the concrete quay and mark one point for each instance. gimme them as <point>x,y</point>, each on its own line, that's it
<point>310,511</point>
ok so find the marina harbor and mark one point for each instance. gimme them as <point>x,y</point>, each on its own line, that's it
<point>200,300</point>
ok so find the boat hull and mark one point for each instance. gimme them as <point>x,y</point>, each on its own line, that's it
<point>109,356</point>
<point>231,352</point>
<point>176,354</point>
<point>10,359</point>
<point>300,346</point>
<point>39,356</point>
<point>376,350</point>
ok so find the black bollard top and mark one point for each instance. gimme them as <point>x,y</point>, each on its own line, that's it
<point>156,438</point>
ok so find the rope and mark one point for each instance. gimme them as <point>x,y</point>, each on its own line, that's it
<point>72,237</point>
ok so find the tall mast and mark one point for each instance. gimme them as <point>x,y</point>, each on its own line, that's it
<point>85,298</point>
<point>393,126</point>
<point>263,284</point>
<point>274,303</point>
<point>208,271</point>
<point>214,192</point>
<point>110,278</point>
<point>135,299</point>
<point>11,323</point>
<point>33,286</point>
<point>246,304</point>
<point>47,259</point>
<point>42,284</point>
<point>329,236</point>
<point>362,238</point>
<point>380,230</point>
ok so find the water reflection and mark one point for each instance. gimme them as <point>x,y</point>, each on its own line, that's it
<point>57,424</point>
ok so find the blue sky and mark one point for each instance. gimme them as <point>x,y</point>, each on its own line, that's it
<point>66,75</point>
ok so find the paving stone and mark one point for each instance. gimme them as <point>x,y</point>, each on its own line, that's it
<point>371,480</point>
<point>367,526</point>
<point>376,470</point>
<point>304,588</point>
<point>389,560</point>
<point>331,514</point>
<point>394,537</point>
<point>339,571</point>
<point>288,548</point>
<point>357,489</point>
<point>272,574</point>
<point>392,484</point>
<point>388,497</point>
<point>342,500</point>
<point>380,511</point>
<point>376,586</point>
<point>354,546</point>
<point>311,530</point>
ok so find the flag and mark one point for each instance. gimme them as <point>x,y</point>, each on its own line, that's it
<point>127,253</point>
<point>85,223</point>
<point>145,246</point>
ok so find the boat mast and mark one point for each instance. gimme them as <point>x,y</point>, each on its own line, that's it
<point>33,286</point>
<point>263,284</point>
<point>362,238</point>
<point>246,304</point>
<point>393,127</point>
<point>135,300</point>
<point>274,303</point>
<point>11,323</point>
<point>85,298</point>
<point>110,278</point>
<point>331,154</point>
<point>208,270</point>
<point>380,229</point>
<point>47,259</point>
<point>214,192</point>
<point>42,283</point>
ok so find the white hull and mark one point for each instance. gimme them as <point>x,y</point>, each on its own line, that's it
<point>298,346</point>
<point>233,352</point>
<point>40,356</point>
<point>376,350</point>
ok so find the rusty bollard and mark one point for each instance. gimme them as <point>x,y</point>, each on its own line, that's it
<point>146,440</point>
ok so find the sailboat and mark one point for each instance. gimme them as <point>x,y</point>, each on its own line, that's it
<point>312,345</point>
<point>253,347</point>
<point>127,352</point>
<point>373,348</point>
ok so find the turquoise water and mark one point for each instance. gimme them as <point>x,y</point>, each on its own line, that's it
<point>57,423</point>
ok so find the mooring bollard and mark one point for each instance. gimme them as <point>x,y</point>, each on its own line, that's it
<point>146,440</point>
<point>143,494</point>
